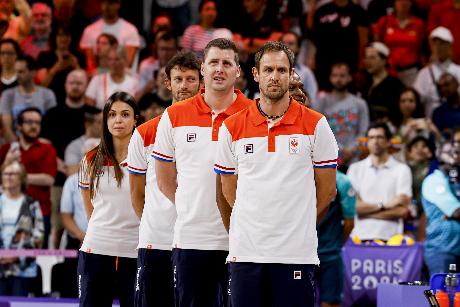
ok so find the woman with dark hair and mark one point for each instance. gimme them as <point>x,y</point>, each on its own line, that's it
<point>104,43</point>
<point>107,260</point>
<point>9,52</point>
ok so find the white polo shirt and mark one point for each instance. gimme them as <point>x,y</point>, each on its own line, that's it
<point>159,215</point>
<point>114,226</point>
<point>187,134</point>
<point>375,185</point>
<point>274,216</point>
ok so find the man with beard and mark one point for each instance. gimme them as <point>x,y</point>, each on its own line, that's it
<point>283,158</point>
<point>347,114</point>
<point>383,188</point>
<point>38,158</point>
<point>154,284</point>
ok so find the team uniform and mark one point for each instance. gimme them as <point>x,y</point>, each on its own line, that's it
<point>107,259</point>
<point>273,242</point>
<point>154,281</point>
<point>187,135</point>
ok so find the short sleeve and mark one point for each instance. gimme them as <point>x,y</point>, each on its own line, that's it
<point>164,147</point>
<point>70,186</point>
<point>83,174</point>
<point>86,41</point>
<point>137,161</point>
<point>436,190</point>
<point>225,161</point>
<point>131,38</point>
<point>347,196</point>
<point>50,99</point>
<point>325,149</point>
<point>6,101</point>
<point>404,185</point>
<point>72,154</point>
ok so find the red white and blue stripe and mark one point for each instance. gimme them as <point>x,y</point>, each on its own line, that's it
<point>136,171</point>
<point>221,170</point>
<point>83,185</point>
<point>325,164</point>
<point>162,157</point>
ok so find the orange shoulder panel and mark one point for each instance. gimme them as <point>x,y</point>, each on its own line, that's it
<point>186,113</point>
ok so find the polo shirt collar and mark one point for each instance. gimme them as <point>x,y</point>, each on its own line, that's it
<point>388,164</point>
<point>288,118</point>
<point>237,105</point>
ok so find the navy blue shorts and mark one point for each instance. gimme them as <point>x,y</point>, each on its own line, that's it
<point>271,284</point>
<point>330,281</point>
<point>201,278</point>
<point>102,278</point>
<point>154,280</point>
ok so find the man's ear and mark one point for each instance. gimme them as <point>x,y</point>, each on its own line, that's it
<point>167,83</point>
<point>255,74</point>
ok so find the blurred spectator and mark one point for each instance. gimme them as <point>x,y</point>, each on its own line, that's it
<point>111,23</point>
<point>18,27</point>
<point>77,149</point>
<point>381,91</point>
<point>409,120</point>
<point>9,52</point>
<point>162,95</point>
<point>383,186</point>
<point>58,62</point>
<point>297,90</point>
<point>447,14</point>
<point>340,33</point>
<point>258,26</point>
<point>403,33</point>
<point>441,203</point>
<point>39,160</point>
<point>161,23</point>
<point>346,113</point>
<point>333,231</point>
<point>164,48</point>
<point>178,10</point>
<point>38,39</point>
<point>21,227</point>
<point>447,115</point>
<point>117,79</point>
<point>441,40</point>
<point>196,37</point>
<point>104,43</point>
<point>292,40</point>
<point>26,94</point>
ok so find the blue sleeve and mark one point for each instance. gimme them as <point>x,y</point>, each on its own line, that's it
<point>436,190</point>
<point>70,187</point>
<point>347,196</point>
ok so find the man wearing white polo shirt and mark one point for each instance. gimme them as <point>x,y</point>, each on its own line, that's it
<point>383,187</point>
<point>282,157</point>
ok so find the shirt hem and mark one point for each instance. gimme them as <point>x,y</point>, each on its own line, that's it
<point>237,259</point>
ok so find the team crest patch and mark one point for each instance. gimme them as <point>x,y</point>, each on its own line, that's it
<point>297,274</point>
<point>294,145</point>
<point>191,137</point>
<point>249,148</point>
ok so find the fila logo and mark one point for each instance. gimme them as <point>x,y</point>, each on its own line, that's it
<point>191,137</point>
<point>297,274</point>
<point>249,148</point>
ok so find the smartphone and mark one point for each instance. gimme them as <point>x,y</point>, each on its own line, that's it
<point>15,146</point>
<point>431,298</point>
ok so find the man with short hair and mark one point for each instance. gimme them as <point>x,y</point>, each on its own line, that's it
<point>184,151</point>
<point>346,113</point>
<point>447,115</point>
<point>154,284</point>
<point>26,94</point>
<point>383,188</point>
<point>297,90</point>
<point>38,158</point>
<point>38,39</point>
<point>282,157</point>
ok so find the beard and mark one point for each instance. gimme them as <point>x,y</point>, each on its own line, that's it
<point>274,95</point>
<point>340,87</point>
<point>30,137</point>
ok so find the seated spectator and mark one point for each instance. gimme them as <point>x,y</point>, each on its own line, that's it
<point>57,63</point>
<point>117,79</point>
<point>441,40</point>
<point>26,94</point>
<point>163,49</point>
<point>297,90</point>
<point>383,188</point>
<point>196,37</point>
<point>125,32</point>
<point>104,43</point>
<point>441,203</point>
<point>346,113</point>
<point>162,95</point>
<point>9,52</point>
<point>38,39</point>
<point>292,40</point>
<point>77,149</point>
<point>381,91</point>
<point>447,115</point>
<point>18,26</point>
<point>403,33</point>
<point>21,227</point>
<point>39,160</point>
<point>178,11</point>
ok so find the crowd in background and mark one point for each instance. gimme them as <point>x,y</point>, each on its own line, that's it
<point>363,64</point>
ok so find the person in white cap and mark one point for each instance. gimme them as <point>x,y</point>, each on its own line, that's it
<point>441,40</point>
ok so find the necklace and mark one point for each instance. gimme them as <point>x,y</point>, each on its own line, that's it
<point>272,117</point>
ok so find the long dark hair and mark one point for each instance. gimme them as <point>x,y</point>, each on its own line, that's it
<point>419,112</point>
<point>104,153</point>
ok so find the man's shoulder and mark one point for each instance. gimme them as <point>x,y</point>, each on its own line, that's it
<point>126,25</point>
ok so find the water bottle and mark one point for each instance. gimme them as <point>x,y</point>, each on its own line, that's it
<point>451,282</point>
